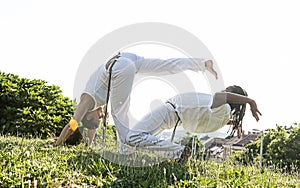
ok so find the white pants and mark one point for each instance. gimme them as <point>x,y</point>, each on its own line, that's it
<point>123,73</point>
<point>143,134</point>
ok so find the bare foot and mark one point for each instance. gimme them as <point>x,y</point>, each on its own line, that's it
<point>209,66</point>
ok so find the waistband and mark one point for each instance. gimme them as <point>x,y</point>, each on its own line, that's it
<point>112,61</point>
<point>177,122</point>
<point>174,106</point>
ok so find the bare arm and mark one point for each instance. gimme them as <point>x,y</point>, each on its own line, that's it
<point>221,98</point>
<point>85,104</point>
<point>91,136</point>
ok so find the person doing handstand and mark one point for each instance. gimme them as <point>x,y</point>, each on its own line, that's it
<point>124,67</point>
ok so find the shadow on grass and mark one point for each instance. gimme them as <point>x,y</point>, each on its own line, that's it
<point>115,175</point>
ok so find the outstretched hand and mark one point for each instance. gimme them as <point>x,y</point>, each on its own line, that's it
<point>254,110</point>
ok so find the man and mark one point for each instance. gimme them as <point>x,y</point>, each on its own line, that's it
<point>197,112</point>
<point>124,66</point>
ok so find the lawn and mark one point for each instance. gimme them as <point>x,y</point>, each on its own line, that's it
<point>34,163</point>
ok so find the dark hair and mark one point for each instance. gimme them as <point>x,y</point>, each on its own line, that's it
<point>237,109</point>
<point>76,137</point>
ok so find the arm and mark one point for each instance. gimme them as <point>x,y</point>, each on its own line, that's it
<point>91,136</point>
<point>85,104</point>
<point>221,98</point>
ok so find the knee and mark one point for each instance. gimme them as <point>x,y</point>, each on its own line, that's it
<point>124,65</point>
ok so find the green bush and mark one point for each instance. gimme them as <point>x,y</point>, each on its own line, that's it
<point>281,148</point>
<point>194,142</point>
<point>31,107</point>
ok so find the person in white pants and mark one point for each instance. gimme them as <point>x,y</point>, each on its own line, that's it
<point>123,73</point>
<point>197,113</point>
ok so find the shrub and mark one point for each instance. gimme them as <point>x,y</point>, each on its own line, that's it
<point>31,107</point>
<point>281,147</point>
<point>194,142</point>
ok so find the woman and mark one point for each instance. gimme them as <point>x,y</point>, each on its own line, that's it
<point>124,66</point>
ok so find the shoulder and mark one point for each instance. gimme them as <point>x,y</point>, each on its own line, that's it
<point>219,98</point>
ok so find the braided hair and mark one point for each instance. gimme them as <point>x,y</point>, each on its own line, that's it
<point>77,137</point>
<point>238,110</point>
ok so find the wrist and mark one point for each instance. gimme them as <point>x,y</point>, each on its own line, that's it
<point>73,124</point>
<point>251,103</point>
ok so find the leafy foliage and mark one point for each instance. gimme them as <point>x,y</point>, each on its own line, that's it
<point>31,107</point>
<point>194,142</point>
<point>281,148</point>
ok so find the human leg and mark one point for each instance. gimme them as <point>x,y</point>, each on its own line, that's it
<point>175,65</point>
<point>143,141</point>
<point>123,73</point>
<point>142,135</point>
<point>158,120</point>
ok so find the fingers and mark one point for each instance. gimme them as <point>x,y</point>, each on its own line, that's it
<point>100,112</point>
<point>256,117</point>
<point>66,132</point>
<point>255,111</point>
<point>256,114</point>
<point>259,112</point>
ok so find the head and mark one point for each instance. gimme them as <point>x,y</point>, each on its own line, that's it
<point>238,110</point>
<point>75,138</point>
<point>91,120</point>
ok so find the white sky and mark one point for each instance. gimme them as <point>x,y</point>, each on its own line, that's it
<point>255,43</point>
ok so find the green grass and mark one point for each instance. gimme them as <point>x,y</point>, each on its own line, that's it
<point>28,163</point>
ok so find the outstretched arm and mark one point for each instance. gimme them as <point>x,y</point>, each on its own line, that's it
<point>92,131</point>
<point>221,98</point>
<point>85,104</point>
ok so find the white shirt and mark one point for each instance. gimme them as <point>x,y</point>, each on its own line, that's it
<point>196,115</point>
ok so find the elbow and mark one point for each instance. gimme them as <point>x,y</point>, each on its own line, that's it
<point>219,99</point>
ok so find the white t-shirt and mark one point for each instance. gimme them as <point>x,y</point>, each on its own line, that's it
<point>194,110</point>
